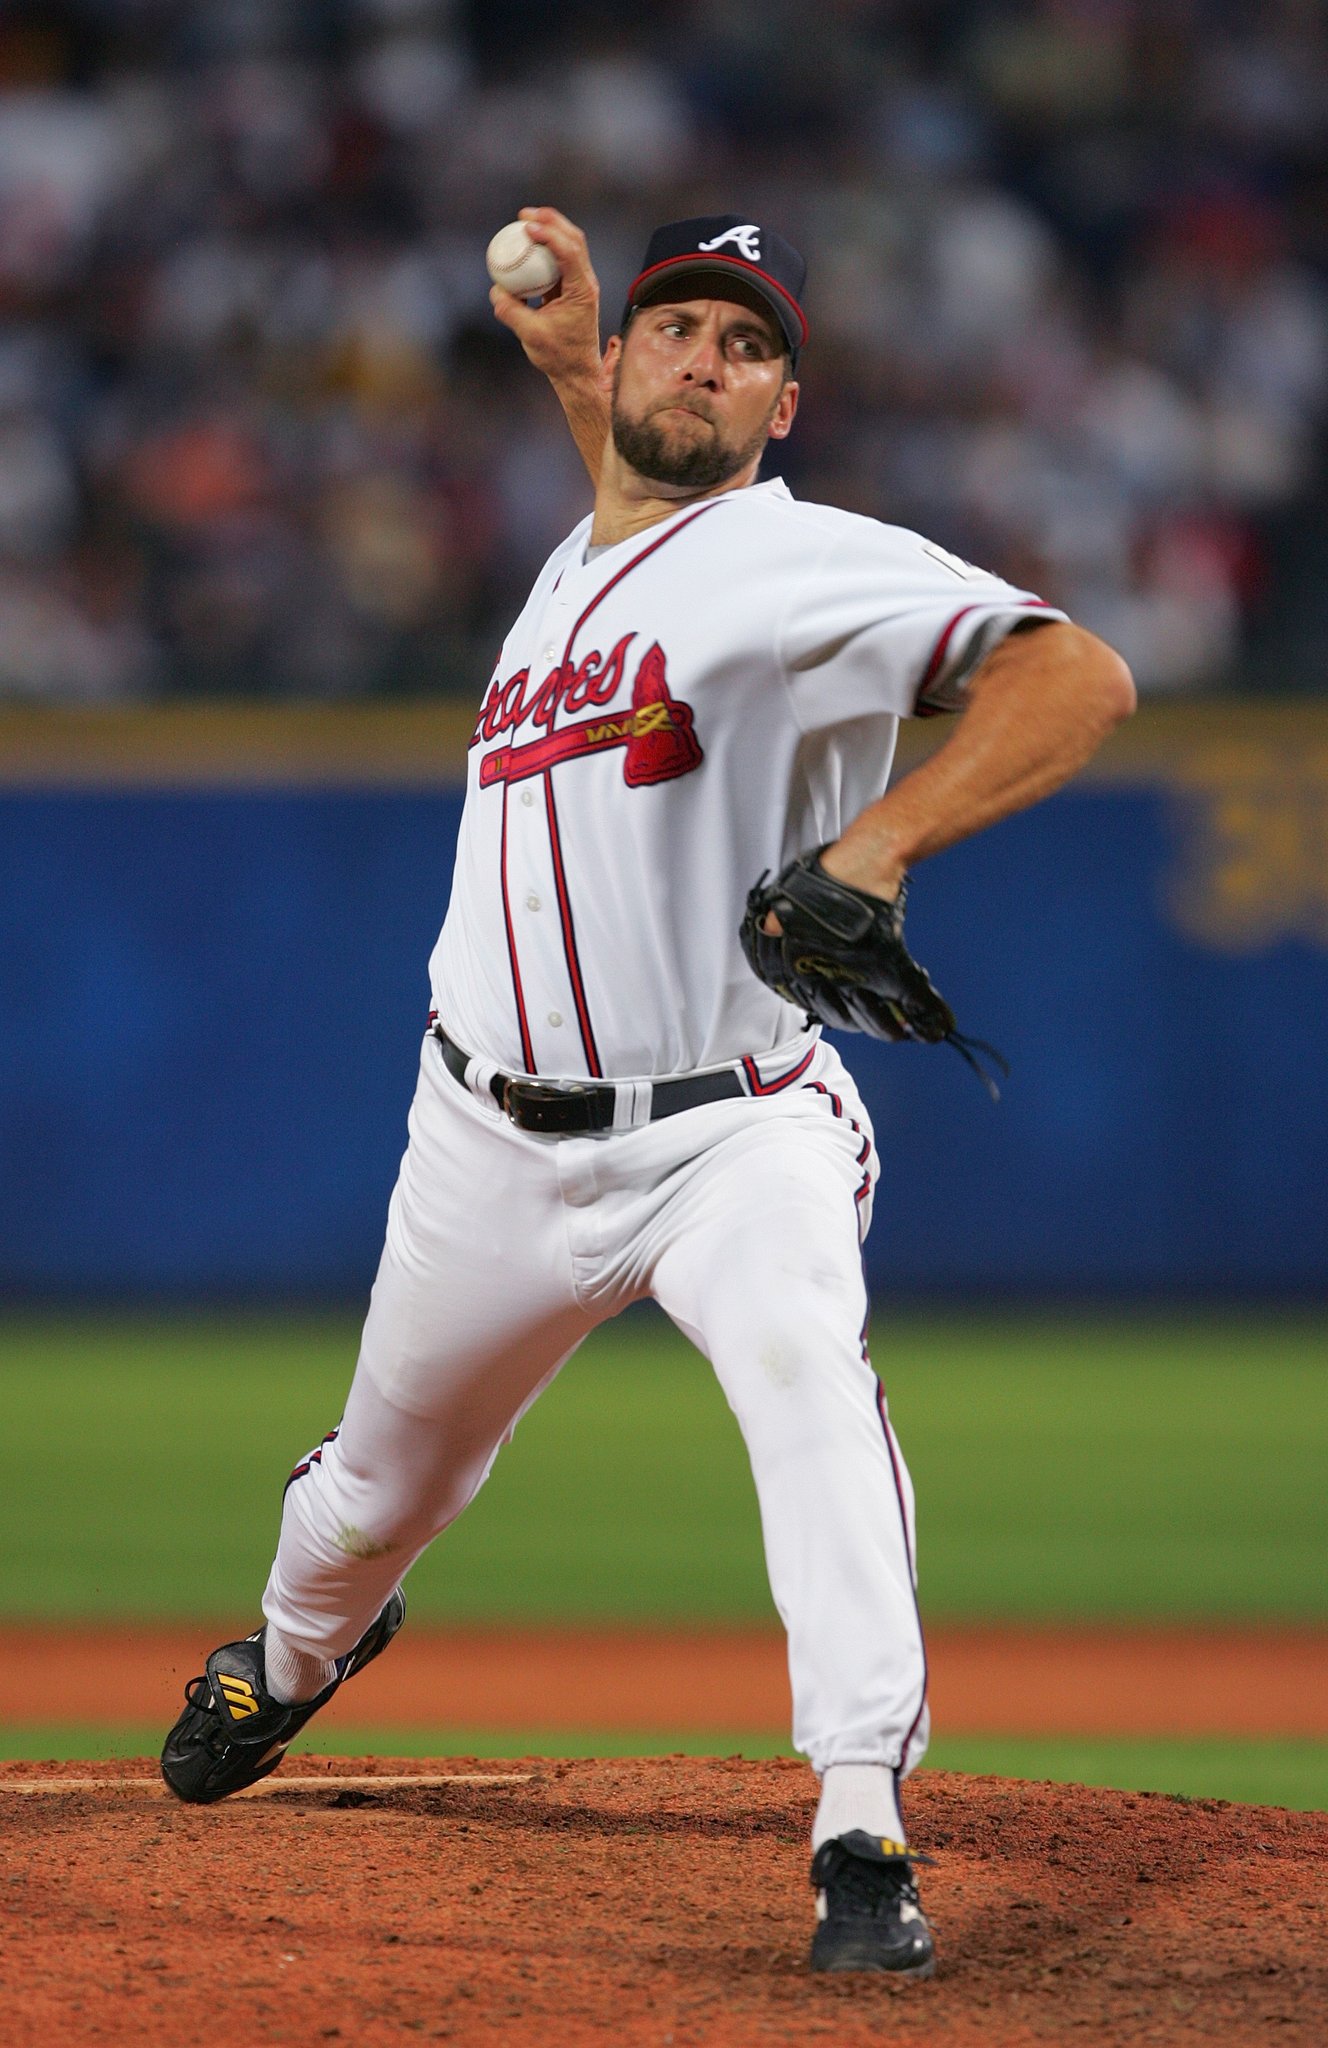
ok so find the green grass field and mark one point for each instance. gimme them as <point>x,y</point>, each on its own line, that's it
<point>1068,1468</point>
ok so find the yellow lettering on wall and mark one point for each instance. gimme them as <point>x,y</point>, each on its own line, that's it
<point>1254,866</point>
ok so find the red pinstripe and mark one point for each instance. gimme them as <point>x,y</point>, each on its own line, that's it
<point>627,569</point>
<point>864,1155</point>
<point>891,1448</point>
<point>933,667</point>
<point>315,1457</point>
<point>574,973</point>
<point>569,935</point>
<point>760,1087</point>
<point>527,1051</point>
<point>739,263</point>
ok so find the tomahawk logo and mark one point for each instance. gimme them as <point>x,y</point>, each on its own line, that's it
<point>656,733</point>
<point>746,240</point>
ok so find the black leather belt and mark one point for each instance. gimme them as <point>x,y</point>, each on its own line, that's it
<point>567,1109</point>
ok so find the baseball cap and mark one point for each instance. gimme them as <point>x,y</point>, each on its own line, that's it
<point>727,245</point>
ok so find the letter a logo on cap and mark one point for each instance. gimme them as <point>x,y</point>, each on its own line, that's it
<point>723,243</point>
<point>747,241</point>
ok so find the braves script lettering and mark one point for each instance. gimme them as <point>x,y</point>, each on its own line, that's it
<point>656,733</point>
<point>594,680</point>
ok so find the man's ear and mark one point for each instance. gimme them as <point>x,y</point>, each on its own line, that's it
<point>609,364</point>
<point>785,407</point>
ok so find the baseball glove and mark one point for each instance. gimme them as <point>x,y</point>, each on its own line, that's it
<point>840,956</point>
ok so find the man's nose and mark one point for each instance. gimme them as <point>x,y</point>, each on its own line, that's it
<point>705,363</point>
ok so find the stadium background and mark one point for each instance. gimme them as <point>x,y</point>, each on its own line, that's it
<point>270,484</point>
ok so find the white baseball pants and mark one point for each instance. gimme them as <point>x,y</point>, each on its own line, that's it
<point>743,1219</point>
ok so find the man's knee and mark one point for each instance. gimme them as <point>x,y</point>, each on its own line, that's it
<point>795,1383</point>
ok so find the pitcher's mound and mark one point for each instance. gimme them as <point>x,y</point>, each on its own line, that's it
<point>663,1900</point>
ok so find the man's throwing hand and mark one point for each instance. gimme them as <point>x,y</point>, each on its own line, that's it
<point>561,334</point>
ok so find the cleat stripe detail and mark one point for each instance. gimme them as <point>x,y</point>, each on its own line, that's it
<point>238,1694</point>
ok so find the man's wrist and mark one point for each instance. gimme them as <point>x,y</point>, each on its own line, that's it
<point>582,382</point>
<point>878,871</point>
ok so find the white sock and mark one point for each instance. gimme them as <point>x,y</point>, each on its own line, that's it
<point>293,1676</point>
<point>858,1796</point>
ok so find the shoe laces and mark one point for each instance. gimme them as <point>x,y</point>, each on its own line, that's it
<point>212,1735</point>
<point>860,1887</point>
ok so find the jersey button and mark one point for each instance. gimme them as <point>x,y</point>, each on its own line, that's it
<point>527,797</point>
<point>532,903</point>
<point>555,1017</point>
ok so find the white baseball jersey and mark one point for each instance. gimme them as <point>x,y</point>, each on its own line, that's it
<point>690,707</point>
<point>666,719</point>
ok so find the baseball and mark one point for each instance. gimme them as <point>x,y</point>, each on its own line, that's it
<point>520,266</point>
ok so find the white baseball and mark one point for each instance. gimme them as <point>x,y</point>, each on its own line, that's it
<point>520,266</point>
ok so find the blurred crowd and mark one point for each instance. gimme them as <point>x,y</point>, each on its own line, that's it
<point>260,434</point>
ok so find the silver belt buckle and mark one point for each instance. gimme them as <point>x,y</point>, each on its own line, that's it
<point>537,1106</point>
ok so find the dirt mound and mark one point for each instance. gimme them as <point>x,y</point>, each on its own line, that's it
<point>660,1901</point>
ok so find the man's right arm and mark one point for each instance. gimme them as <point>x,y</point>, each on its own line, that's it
<point>561,334</point>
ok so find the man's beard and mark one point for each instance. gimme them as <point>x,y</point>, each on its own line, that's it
<point>698,464</point>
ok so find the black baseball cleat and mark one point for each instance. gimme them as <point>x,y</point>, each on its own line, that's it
<point>867,1908</point>
<point>232,1732</point>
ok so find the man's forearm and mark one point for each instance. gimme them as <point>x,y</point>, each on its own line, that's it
<point>587,416</point>
<point>1038,708</point>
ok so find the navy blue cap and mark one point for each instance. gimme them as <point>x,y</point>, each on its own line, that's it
<point>727,245</point>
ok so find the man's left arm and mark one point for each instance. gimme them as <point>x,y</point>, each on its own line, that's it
<point>1036,709</point>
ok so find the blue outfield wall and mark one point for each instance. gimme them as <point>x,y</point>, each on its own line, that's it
<point>212,1004</point>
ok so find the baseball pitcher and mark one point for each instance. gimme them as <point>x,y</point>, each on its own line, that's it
<point>679,859</point>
